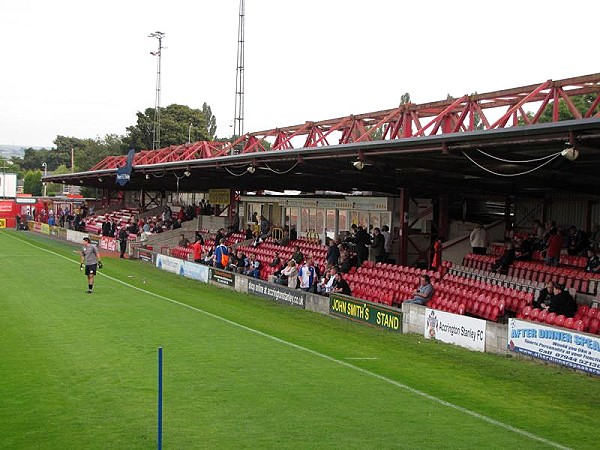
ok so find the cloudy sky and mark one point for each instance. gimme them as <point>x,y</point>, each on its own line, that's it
<point>83,69</point>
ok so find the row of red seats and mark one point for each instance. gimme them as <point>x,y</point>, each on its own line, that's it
<point>583,323</point>
<point>481,262</point>
<point>578,279</point>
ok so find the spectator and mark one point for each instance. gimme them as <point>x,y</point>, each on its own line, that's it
<point>387,245</point>
<point>276,261</point>
<point>554,246</point>
<point>285,239</point>
<point>240,265</point>
<point>423,293</point>
<point>297,256</point>
<point>183,242</point>
<point>325,285</point>
<point>438,247</point>
<point>197,247</point>
<point>593,261</point>
<point>361,239</point>
<point>219,235</point>
<point>333,253</point>
<point>341,286</point>
<point>249,233</point>
<point>293,233</point>
<point>123,237</point>
<point>252,267</point>
<point>307,276</point>
<point>378,245</point>
<point>501,264</point>
<point>562,302</point>
<point>545,296</point>
<point>233,261</point>
<point>198,236</point>
<point>289,275</point>
<point>219,255</point>
<point>479,239</point>
<point>578,241</point>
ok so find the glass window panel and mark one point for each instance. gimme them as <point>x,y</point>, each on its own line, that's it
<point>304,218</point>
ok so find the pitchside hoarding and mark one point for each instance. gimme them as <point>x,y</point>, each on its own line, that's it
<point>365,312</point>
<point>455,329</point>
<point>222,277</point>
<point>194,271</point>
<point>276,292</point>
<point>170,264</point>
<point>558,345</point>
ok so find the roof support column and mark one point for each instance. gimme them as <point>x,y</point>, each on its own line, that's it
<point>403,232</point>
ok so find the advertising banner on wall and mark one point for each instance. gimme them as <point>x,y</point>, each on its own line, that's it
<point>276,292</point>
<point>222,277</point>
<point>365,312</point>
<point>145,255</point>
<point>195,271</point>
<point>455,329</point>
<point>75,236</point>
<point>558,345</point>
<point>108,243</point>
<point>170,264</point>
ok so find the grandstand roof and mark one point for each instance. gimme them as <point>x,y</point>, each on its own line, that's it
<point>454,162</point>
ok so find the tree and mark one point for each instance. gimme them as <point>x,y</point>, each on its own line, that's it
<point>57,188</point>
<point>581,102</point>
<point>175,127</point>
<point>32,183</point>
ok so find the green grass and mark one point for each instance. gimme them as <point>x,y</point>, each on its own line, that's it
<point>79,371</point>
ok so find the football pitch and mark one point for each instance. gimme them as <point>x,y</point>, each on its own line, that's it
<point>79,371</point>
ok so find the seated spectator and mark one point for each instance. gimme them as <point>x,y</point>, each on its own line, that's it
<point>340,285</point>
<point>562,302</point>
<point>593,261</point>
<point>325,284</point>
<point>209,258</point>
<point>233,262</point>
<point>252,267</point>
<point>578,241</point>
<point>289,275</point>
<point>183,241</point>
<point>501,264</point>
<point>285,239</point>
<point>249,233</point>
<point>424,292</point>
<point>523,249</point>
<point>297,255</point>
<point>276,261</point>
<point>241,262</point>
<point>545,296</point>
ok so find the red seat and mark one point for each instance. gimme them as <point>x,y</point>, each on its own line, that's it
<point>560,320</point>
<point>550,318</point>
<point>533,315</point>
<point>578,325</point>
<point>568,322</point>
<point>593,326</point>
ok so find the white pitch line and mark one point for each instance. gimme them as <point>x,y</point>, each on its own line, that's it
<point>385,379</point>
<point>361,359</point>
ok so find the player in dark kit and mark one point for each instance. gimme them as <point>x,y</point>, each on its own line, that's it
<point>90,258</point>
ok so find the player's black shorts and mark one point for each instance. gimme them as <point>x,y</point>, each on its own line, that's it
<point>91,269</point>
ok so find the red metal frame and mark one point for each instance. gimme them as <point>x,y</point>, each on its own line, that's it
<point>443,117</point>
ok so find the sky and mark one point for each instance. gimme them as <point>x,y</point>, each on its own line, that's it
<point>83,69</point>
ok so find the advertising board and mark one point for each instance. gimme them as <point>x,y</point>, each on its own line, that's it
<point>455,329</point>
<point>365,312</point>
<point>281,294</point>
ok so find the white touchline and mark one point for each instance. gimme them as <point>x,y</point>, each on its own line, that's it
<point>328,358</point>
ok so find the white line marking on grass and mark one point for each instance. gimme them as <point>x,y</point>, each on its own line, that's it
<point>395,383</point>
<point>362,359</point>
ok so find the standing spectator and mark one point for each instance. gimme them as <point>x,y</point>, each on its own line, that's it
<point>387,238</point>
<point>183,241</point>
<point>123,236</point>
<point>289,274</point>
<point>90,258</point>
<point>423,293</point>
<point>220,252</point>
<point>333,253</point>
<point>18,221</point>
<point>479,239</point>
<point>307,276</point>
<point>438,247</point>
<point>361,239</point>
<point>378,245</point>
<point>197,247</point>
<point>293,233</point>
<point>554,246</point>
<point>249,233</point>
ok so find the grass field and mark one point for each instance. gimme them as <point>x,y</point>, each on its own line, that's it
<point>79,371</point>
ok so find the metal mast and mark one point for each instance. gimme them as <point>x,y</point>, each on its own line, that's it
<point>238,120</point>
<point>156,125</point>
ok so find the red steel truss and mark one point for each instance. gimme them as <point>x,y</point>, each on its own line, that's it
<point>493,110</point>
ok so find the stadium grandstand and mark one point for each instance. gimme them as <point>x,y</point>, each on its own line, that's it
<point>429,172</point>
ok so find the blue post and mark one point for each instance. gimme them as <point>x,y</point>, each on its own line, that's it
<point>160,388</point>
